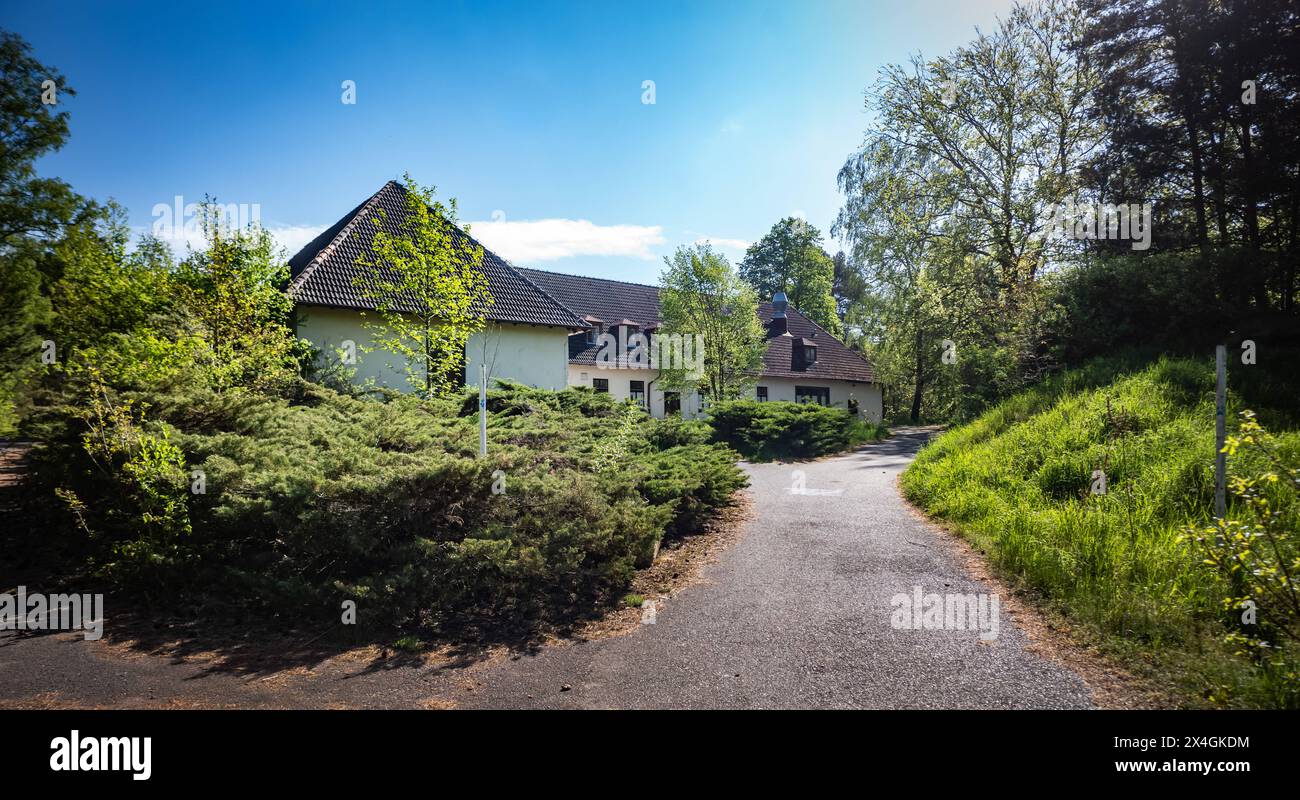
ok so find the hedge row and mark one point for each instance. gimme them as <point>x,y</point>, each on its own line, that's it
<point>780,430</point>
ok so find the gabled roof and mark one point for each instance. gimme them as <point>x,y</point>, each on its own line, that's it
<point>608,299</point>
<point>835,361</point>
<point>325,272</point>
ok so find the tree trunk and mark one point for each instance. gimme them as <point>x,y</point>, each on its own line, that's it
<point>919,386</point>
<point>1198,180</point>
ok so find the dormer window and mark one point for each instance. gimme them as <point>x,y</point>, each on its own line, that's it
<point>596,326</point>
<point>623,330</point>
<point>809,354</point>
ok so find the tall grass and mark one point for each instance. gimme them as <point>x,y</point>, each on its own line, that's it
<point>1019,481</point>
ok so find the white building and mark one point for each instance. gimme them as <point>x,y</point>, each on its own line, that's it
<point>543,327</point>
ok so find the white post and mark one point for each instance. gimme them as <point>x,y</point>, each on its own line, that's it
<point>1220,431</point>
<point>482,409</point>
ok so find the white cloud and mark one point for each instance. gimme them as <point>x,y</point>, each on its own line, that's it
<point>294,237</point>
<point>731,244</point>
<point>528,241</point>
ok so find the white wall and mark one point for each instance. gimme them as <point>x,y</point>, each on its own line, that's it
<point>539,356</point>
<point>868,395</point>
<point>329,328</point>
<point>620,386</point>
<point>534,355</point>
<point>531,354</point>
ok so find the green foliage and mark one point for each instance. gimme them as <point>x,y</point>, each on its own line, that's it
<point>1258,556</point>
<point>790,259</point>
<point>127,491</point>
<point>702,295</point>
<point>315,498</point>
<point>613,448</point>
<point>779,430</point>
<point>425,281</point>
<point>31,205</point>
<point>233,288</point>
<point>673,431</point>
<point>33,211</point>
<point>691,480</point>
<point>22,309</point>
<point>1017,481</point>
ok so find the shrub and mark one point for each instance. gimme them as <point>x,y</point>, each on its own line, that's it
<point>314,498</point>
<point>127,491</point>
<point>693,481</point>
<point>632,600</point>
<point>1257,554</point>
<point>774,430</point>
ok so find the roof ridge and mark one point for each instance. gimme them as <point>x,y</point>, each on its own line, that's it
<point>338,239</point>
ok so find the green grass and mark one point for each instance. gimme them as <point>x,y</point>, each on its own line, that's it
<point>633,600</point>
<point>408,644</point>
<point>1016,482</point>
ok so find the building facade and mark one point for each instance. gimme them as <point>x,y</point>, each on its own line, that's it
<point>545,329</point>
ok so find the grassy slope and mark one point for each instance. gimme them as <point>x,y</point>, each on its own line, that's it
<point>1016,482</point>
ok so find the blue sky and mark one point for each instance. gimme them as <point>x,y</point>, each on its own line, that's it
<point>530,114</point>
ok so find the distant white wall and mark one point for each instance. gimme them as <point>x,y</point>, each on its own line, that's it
<point>620,387</point>
<point>330,328</point>
<point>868,395</point>
<point>531,354</point>
<point>534,355</point>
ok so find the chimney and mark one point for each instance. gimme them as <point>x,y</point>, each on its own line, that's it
<point>779,325</point>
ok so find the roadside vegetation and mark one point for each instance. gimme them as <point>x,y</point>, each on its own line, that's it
<point>1093,490</point>
<point>777,430</point>
<point>311,498</point>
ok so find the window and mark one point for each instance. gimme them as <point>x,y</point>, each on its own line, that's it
<point>809,354</point>
<point>600,384</point>
<point>636,390</point>
<point>672,403</point>
<point>591,335</point>
<point>762,394</point>
<point>820,395</point>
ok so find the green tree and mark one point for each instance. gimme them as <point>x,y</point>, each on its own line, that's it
<point>233,289</point>
<point>702,294</point>
<point>947,203</point>
<point>426,282</point>
<point>33,211</point>
<point>30,128</point>
<point>790,259</point>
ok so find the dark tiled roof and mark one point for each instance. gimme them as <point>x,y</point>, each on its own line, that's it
<point>324,272</point>
<point>835,361</point>
<point>601,298</point>
<point>613,300</point>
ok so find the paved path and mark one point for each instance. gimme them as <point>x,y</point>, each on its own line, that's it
<point>795,615</point>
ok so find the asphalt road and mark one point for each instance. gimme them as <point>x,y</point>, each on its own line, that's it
<point>797,614</point>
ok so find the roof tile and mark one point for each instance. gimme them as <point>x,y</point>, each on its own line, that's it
<point>325,272</point>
